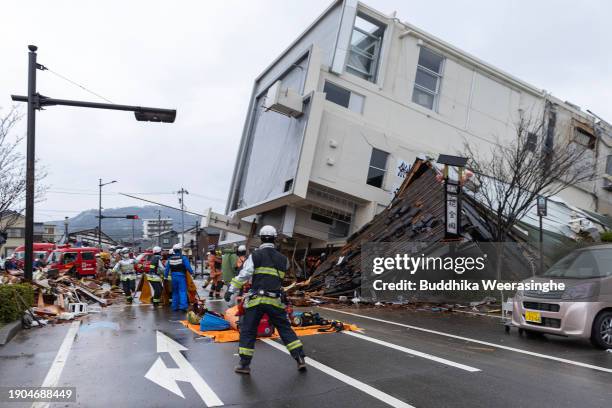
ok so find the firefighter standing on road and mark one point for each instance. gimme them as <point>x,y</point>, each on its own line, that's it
<point>127,273</point>
<point>214,266</point>
<point>266,269</point>
<point>179,265</point>
<point>154,275</point>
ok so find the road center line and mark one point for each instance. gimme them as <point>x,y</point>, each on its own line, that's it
<point>486,343</point>
<point>55,371</point>
<point>413,352</point>
<point>373,392</point>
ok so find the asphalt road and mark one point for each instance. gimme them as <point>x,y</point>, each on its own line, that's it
<point>402,358</point>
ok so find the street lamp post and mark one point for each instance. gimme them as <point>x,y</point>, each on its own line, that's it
<point>66,229</point>
<point>182,193</point>
<point>37,101</point>
<point>100,185</point>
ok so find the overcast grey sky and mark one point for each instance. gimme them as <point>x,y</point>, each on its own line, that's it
<point>201,58</point>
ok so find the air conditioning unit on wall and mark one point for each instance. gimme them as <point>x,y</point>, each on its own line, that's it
<point>285,101</point>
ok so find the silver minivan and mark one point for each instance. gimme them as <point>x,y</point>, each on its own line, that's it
<point>583,309</point>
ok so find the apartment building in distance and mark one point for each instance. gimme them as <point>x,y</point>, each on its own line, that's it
<point>152,227</point>
<point>338,117</point>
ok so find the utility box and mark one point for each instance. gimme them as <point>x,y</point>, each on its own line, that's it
<point>285,101</point>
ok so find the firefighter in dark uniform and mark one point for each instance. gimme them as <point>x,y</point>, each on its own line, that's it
<point>154,275</point>
<point>266,269</point>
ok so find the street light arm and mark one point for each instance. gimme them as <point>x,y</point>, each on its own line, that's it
<point>142,113</point>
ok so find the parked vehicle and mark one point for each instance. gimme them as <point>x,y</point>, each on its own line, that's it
<point>79,260</point>
<point>143,261</point>
<point>583,309</point>
<point>40,248</point>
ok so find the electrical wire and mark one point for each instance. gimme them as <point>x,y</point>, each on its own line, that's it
<point>71,191</point>
<point>76,84</point>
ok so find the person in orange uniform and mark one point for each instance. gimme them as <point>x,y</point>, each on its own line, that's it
<point>214,265</point>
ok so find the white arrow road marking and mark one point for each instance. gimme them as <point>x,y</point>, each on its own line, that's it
<point>374,392</point>
<point>167,377</point>
<point>413,352</point>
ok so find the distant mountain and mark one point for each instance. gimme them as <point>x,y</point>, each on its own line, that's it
<point>120,228</point>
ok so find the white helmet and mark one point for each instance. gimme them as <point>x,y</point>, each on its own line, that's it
<point>267,231</point>
<point>125,251</point>
<point>157,250</point>
<point>177,247</point>
<point>241,248</point>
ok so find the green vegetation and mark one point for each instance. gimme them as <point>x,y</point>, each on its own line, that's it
<point>11,308</point>
<point>606,236</point>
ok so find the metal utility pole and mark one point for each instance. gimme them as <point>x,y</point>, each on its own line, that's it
<point>37,101</point>
<point>542,212</point>
<point>30,162</point>
<point>159,228</point>
<point>182,193</point>
<point>197,243</point>
<point>100,185</point>
<point>66,229</point>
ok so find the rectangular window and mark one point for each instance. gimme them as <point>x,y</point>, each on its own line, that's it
<point>427,79</point>
<point>321,218</point>
<point>378,168</point>
<point>87,256</point>
<point>366,42</point>
<point>343,97</point>
<point>584,138</point>
<point>609,165</point>
<point>15,233</point>
<point>531,142</point>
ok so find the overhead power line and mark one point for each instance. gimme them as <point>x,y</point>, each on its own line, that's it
<point>160,204</point>
<point>76,84</point>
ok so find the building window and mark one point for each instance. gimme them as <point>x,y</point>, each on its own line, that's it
<point>378,168</point>
<point>609,165</point>
<point>15,233</point>
<point>427,80</point>
<point>321,218</point>
<point>366,42</point>
<point>531,142</point>
<point>584,138</point>
<point>166,241</point>
<point>343,97</point>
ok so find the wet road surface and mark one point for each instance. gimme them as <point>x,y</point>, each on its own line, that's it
<point>402,358</point>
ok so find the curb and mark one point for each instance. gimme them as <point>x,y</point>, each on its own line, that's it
<point>8,331</point>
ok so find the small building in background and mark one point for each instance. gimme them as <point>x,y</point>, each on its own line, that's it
<point>12,226</point>
<point>166,239</point>
<point>154,226</point>
<point>49,232</point>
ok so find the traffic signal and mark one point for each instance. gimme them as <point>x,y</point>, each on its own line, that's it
<point>131,217</point>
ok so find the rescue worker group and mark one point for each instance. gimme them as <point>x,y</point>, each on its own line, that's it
<point>258,282</point>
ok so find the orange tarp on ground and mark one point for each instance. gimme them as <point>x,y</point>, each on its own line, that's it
<point>225,336</point>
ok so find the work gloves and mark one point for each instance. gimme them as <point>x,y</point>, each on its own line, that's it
<point>228,296</point>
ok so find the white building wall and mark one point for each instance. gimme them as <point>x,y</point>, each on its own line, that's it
<point>477,103</point>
